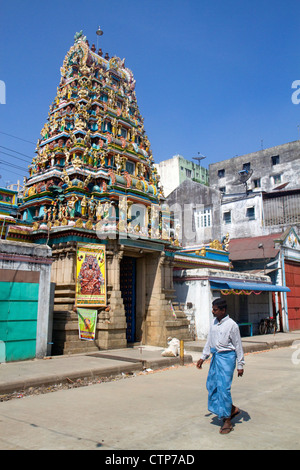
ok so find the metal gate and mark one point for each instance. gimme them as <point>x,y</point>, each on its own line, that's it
<point>18,320</point>
<point>292,273</point>
<point>128,290</point>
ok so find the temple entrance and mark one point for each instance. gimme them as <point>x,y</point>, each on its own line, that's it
<point>128,290</point>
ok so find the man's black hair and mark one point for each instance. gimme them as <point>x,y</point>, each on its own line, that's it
<point>220,303</point>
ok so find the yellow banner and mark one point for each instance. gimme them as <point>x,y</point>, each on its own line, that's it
<point>90,275</point>
<point>87,321</point>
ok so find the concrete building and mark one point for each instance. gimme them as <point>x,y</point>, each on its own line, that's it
<point>251,195</point>
<point>278,256</point>
<point>196,209</point>
<point>176,170</point>
<point>259,213</point>
<point>267,170</point>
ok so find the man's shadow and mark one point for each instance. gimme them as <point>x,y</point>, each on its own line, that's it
<point>238,419</point>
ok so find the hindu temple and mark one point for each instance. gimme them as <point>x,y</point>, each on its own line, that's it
<point>94,196</point>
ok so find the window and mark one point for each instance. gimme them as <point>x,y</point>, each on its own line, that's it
<point>277,179</point>
<point>188,173</point>
<point>275,160</point>
<point>250,213</point>
<point>246,166</point>
<point>203,218</point>
<point>221,173</point>
<point>257,183</point>
<point>130,167</point>
<point>227,217</point>
<point>222,189</point>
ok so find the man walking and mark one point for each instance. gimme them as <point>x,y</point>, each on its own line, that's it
<point>224,342</point>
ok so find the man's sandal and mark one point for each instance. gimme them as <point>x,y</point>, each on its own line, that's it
<point>226,429</point>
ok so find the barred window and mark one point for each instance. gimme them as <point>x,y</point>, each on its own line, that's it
<point>282,210</point>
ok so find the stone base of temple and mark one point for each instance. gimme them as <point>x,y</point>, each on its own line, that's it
<point>65,335</point>
<point>110,329</point>
<point>162,322</point>
<point>156,315</point>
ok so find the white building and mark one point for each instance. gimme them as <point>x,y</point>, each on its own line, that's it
<point>199,287</point>
<point>177,169</point>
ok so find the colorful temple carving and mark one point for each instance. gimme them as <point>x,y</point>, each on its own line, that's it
<point>93,187</point>
<point>94,152</point>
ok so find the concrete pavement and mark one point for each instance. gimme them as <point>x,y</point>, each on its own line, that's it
<point>164,413</point>
<point>18,376</point>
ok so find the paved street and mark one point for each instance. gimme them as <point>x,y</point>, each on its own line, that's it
<point>163,410</point>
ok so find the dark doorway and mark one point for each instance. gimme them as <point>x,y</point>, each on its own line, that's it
<point>128,290</point>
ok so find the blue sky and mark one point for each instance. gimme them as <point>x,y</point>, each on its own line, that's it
<point>212,77</point>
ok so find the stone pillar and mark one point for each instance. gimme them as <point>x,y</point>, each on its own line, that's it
<point>65,336</point>
<point>111,327</point>
<point>162,321</point>
<point>158,309</point>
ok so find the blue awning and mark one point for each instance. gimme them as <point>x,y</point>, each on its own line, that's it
<point>240,285</point>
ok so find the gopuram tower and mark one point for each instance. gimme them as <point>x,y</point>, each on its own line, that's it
<point>93,195</point>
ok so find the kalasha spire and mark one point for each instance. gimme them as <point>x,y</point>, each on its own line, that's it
<point>93,148</point>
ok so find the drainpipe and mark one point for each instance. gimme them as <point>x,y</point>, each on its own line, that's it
<point>284,298</point>
<point>2,228</point>
<point>277,310</point>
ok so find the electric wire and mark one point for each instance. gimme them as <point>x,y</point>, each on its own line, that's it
<point>8,167</point>
<point>15,173</point>
<point>12,165</point>
<point>13,156</point>
<point>19,138</point>
<point>19,153</point>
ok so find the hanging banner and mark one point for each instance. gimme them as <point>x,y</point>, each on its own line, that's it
<point>87,320</point>
<point>90,275</point>
<point>240,292</point>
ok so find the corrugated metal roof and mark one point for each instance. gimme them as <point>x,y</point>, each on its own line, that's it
<point>247,248</point>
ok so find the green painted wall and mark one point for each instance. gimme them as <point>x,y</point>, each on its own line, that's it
<point>18,319</point>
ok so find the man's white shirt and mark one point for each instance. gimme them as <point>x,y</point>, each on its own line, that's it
<point>223,336</point>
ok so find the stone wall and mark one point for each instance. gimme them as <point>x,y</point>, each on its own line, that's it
<point>23,263</point>
<point>155,319</point>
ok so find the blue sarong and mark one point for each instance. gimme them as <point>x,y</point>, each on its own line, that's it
<point>219,382</point>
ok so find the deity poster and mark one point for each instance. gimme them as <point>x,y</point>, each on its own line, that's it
<point>87,320</point>
<point>90,275</point>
